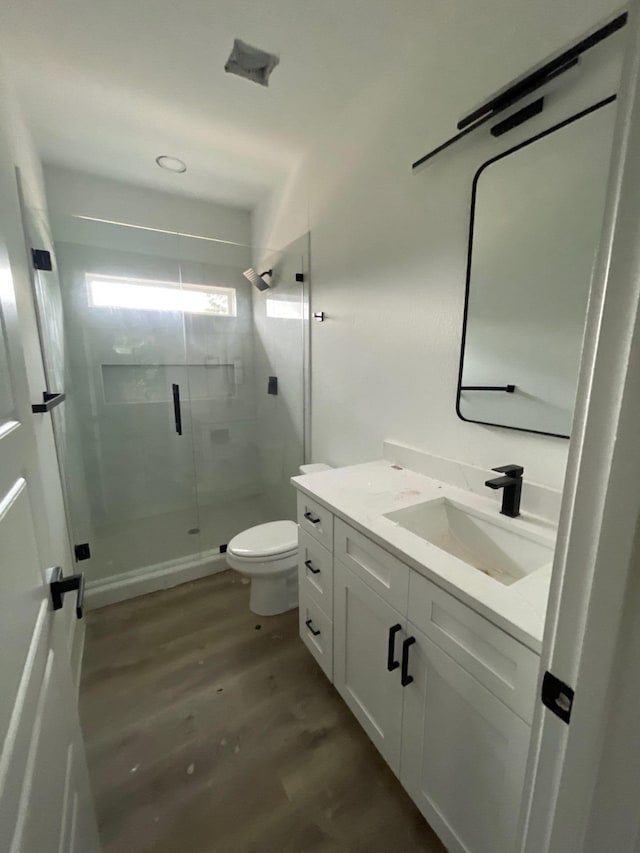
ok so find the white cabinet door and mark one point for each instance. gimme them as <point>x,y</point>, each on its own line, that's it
<point>463,753</point>
<point>365,645</point>
<point>45,804</point>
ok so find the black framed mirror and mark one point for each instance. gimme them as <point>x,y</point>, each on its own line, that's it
<point>536,217</point>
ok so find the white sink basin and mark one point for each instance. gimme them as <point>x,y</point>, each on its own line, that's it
<point>484,543</point>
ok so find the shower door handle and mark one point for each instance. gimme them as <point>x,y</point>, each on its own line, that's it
<point>177,412</point>
<point>60,585</point>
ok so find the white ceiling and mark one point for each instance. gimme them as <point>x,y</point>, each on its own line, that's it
<point>107,85</point>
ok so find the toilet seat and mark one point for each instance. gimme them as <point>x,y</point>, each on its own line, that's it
<point>273,558</point>
<point>275,540</point>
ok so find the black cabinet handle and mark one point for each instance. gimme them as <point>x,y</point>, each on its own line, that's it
<point>310,567</point>
<point>177,412</point>
<point>405,678</point>
<point>309,625</point>
<point>49,401</point>
<point>309,517</point>
<point>392,663</point>
<point>59,586</point>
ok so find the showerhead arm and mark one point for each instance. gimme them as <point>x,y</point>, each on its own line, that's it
<point>257,279</point>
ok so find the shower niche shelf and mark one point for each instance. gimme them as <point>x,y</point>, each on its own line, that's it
<point>152,383</point>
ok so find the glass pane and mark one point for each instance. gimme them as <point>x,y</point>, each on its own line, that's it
<point>220,356</point>
<point>247,443</point>
<point>48,299</point>
<point>281,322</point>
<point>133,492</point>
<point>50,318</point>
<point>6,392</point>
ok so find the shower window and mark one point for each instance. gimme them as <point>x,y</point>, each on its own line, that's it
<point>150,295</point>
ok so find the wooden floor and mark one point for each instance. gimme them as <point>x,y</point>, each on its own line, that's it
<point>212,730</point>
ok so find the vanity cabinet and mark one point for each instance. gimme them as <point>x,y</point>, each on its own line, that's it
<point>445,695</point>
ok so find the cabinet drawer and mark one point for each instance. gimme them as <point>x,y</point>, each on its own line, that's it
<point>315,572</point>
<point>388,576</point>
<point>506,668</point>
<point>316,631</point>
<point>315,519</point>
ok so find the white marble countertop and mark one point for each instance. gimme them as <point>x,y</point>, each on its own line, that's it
<point>361,494</point>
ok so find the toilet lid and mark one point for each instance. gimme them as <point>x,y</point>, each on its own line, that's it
<point>265,540</point>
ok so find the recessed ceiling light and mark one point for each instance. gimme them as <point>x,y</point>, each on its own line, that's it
<point>173,164</point>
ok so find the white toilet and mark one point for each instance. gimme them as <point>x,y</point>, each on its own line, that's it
<point>268,555</point>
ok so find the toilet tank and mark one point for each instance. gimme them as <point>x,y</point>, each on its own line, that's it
<point>314,468</point>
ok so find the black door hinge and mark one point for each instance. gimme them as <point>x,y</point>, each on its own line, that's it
<point>82,552</point>
<point>557,696</point>
<point>42,259</point>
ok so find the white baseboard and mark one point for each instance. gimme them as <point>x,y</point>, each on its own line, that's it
<point>111,590</point>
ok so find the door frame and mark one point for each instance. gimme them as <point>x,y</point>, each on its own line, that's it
<point>581,777</point>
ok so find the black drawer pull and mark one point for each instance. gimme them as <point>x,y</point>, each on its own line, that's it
<point>309,516</point>
<point>405,678</point>
<point>310,567</point>
<point>392,663</point>
<point>309,625</point>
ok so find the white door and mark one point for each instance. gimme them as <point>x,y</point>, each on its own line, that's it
<point>45,804</point>
<point>368,635</point>
<point>583,779</point>
<point>463,753</point>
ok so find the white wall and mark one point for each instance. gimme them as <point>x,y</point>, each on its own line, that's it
<point>388,248</point>
<point>77,193</point>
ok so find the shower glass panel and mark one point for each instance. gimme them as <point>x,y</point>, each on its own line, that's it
<point>222,390</point>
<point>281,328</point>
<point>50,319</point>
<point>128,391</point>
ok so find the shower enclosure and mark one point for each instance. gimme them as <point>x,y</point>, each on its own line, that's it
<point>170,438</point>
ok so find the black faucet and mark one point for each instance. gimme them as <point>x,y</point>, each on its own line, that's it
<point>512,485</point>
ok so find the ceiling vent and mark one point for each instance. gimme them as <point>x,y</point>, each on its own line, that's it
<point>251,62</point>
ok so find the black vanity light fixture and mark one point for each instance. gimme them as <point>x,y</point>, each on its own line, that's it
<point>524,86</point>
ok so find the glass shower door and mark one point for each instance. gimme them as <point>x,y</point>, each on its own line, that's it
<point>128,385</point>
<point>187,391</point>
<point>247,440</point>
<point>222,393</point>
<point>50,320</point>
